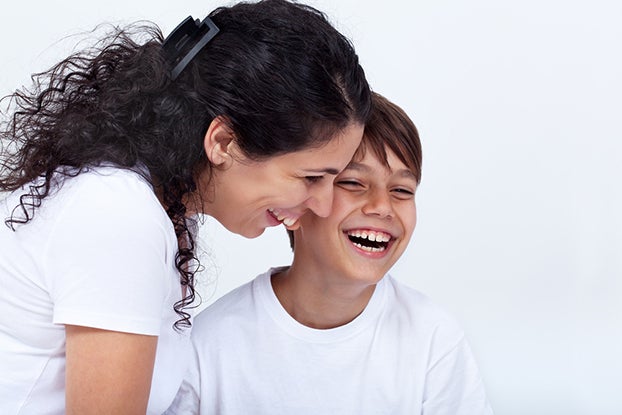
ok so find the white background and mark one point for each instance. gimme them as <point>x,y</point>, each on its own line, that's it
<point>519,107</point>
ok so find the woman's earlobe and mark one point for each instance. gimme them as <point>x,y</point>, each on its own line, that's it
<point>218,143</point>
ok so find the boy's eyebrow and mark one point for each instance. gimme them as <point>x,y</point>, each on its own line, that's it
<point>405,173</point>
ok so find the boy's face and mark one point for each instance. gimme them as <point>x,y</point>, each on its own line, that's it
<point>372,220</point>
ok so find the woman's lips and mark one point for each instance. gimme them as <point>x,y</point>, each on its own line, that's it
<point>286,219</point>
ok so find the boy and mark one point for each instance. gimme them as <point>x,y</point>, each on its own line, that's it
<point>333,333</point>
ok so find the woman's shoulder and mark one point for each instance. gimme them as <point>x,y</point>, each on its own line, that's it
<point>83,195</point>
<point>108,189</point>
<point>112,181</point>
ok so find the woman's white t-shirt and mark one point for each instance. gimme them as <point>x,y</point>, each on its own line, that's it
<point>99,252</point>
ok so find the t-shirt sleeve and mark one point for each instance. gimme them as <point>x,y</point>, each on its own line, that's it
<point>106,258</point>
<point>453,383</point>
<point>188,398</point>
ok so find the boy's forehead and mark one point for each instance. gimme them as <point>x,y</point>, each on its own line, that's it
<point>358,164</point>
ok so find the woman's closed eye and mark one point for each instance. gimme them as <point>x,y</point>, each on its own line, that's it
<point>313,179</point>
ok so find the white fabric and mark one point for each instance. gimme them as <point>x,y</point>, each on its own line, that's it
<point>99,253</point>
<point>402,355</point>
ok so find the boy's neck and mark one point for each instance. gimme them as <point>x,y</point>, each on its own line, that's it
<point>317,300</point>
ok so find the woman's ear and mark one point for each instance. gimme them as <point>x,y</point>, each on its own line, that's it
<point>219,142</point>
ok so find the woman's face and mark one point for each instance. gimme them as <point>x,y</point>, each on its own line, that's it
<point>248,196</point>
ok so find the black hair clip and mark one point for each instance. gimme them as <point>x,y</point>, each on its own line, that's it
<point>187,31</point>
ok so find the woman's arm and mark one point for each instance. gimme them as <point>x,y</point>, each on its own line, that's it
<point>108,372</point>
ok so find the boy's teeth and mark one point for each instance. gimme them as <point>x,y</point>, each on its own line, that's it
<point>288,221</point>
<point>370,249</point>
<point>371,235</point>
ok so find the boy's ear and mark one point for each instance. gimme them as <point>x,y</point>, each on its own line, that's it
<point>219,142</point>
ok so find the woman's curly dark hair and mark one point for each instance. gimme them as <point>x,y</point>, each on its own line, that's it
<point>278,72</point>
<point>105,105</point>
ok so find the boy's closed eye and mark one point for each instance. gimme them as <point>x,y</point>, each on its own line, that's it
<point>350,184</point>
<point>403,193</point>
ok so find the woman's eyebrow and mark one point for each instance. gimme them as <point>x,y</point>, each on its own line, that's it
<point>327,170</point>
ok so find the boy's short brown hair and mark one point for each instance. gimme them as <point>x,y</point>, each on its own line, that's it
<point>388,127</point>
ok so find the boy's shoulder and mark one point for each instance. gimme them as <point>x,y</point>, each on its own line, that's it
<point>230,310</point>
<point>410,304</point>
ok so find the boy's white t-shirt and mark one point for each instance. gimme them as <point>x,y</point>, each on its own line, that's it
<point>99,252</point>
<point>401,355</point>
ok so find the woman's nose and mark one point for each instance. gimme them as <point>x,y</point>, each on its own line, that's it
<point>320,201</point>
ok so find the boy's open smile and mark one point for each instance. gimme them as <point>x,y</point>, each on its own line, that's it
<point>370,241</point>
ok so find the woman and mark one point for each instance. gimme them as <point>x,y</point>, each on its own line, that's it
<point>246,116</point>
